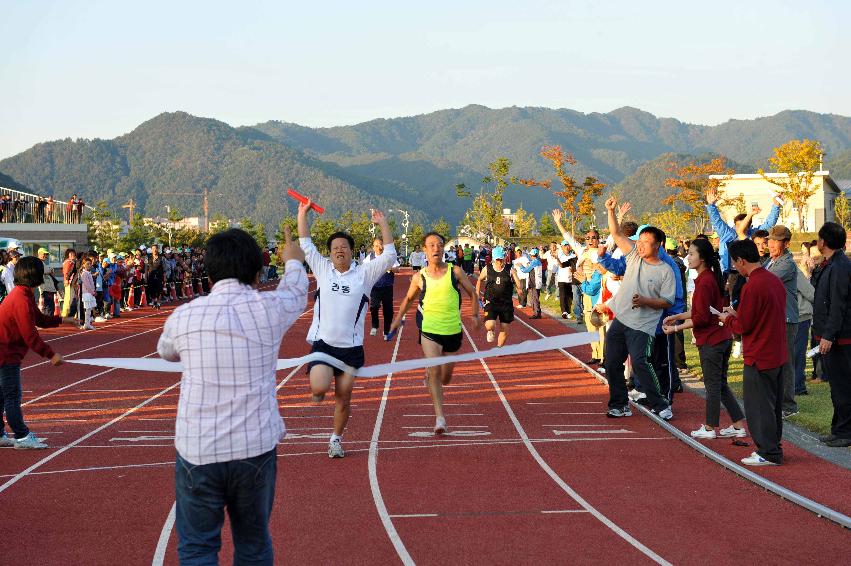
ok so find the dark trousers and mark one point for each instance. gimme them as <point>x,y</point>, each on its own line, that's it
<point>246,488</point>
<point>49,300</point>
<point>665,366</point>
<point>763,392</point>
<point>680,349</point>
<point>381,297</point>
<point>565,297</point>
<point>622,341</point>
<point>533,298</point>
<point>837,364</point>
<point>578,308</point>
<point>521,296</point>
<point>802,339</point>
<point>789,403</point>
<point>10,397</point>
<point>715,363</point>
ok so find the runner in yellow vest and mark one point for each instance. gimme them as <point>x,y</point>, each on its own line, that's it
<point>438,316</point>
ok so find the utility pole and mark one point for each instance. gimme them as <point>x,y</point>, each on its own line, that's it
<point>131,204</point>
<point>205,203</point>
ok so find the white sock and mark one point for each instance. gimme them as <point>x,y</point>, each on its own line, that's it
<point>335,437</point>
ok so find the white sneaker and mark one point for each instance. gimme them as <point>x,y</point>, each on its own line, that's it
<point>703,433</point>
<point>635,395</point>
<point>6,442</point>
<point>89,327</point>
<point>335,449</point>
<point>100,319</point>
<point>737,350</point>
<point>108,316</point>
<point>373,331</point>
<point>440,426</point>
<point>490,335</point>
<point>30,442</point>
<point>732,432</point>
<point>756,460</point>
<point>665,414</point>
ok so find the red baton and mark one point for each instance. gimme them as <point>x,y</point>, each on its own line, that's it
<point>303,200</point>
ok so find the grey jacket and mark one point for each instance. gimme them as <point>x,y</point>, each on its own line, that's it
<point>806,295</point>
<point>784,267</point>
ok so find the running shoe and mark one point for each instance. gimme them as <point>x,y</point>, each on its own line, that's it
<point>100,319</point>
<point>89,327</point>
<point>788,414</point>
<point>440,426</point>
<point>6,442</point>
<point>756,460</point>
<point>30,442</point>
<point>732,432</point>
<point>317,398</point>
<point>373,331</point>
<point>617,413</point>
<point>335,449</point>
<point>665,414</point>
<point>564,315</point>
<point>737,349</point>
<point>703,433</point>
<point>635,395</point>
<point>490,335</point>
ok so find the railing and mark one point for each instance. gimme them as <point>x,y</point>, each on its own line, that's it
<point>18,206</point>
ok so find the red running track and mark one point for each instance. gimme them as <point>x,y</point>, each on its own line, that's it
<point>531,472</point>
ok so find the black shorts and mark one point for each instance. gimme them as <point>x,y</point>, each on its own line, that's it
<point>416,267</point>
<point>450,342</point>
<point>505,313</point>
<point>349,356</point>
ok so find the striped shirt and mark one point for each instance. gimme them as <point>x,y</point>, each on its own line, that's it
<point>228,344</point>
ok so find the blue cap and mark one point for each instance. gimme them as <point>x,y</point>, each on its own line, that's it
<point>534,251</point>
<point>565,243</point>
<point>641,228</point>
<point>498,253</point>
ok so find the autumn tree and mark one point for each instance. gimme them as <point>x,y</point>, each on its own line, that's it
<point>692,181</point>
<point>442,227</point>
<point>524,222</point>
<point>546,227</point>
<point>577,200</point>
<point>102,227</point>
<point>842,211</point>
<point>671,221</point>
<point>797,161</point>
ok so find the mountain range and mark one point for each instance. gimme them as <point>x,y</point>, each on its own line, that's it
<point>410,163</point>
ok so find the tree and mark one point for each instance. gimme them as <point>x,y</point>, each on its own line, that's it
<point>546,227</point>
<point>139,233</point>
<point>524,222</point>
<point>671,221</point>
<point>441,226</point>
<point>842,211</point>
<point>257,231</point>
<point>576,200</point>
<point>415,236</point>
<point>290,222</point>
<point>692,181</point>
<point>218,223</point>
<point>320,231</point>
<point>797,161</point>
<point>174,214</point>
<point>102,227</point>
<point>479,218</point>
<point>359,227</point>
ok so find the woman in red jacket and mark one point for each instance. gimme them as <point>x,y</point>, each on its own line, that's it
<point>19,317</point>
<point>714,342</point>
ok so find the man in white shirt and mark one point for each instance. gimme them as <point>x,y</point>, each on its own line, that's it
<point>228,422</point>
<point>338,313</point>
<point>521,261</point>
<point>417,259</point>
<point>8,274</point>
<point>551,277</point>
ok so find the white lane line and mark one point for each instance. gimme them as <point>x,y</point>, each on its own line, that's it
<point>552,473</point>
<point>70,385</point>
<point>83,438</point>
<point>566,511</point>
<point>372,464</point>
<point>165,534</point>
<point>71,409</point>
<point>111,390</point>
<point>414,515</point>
<point>621,431</point>
<point>168,525</point>
<point>455,415</point>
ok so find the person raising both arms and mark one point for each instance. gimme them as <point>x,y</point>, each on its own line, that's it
<point>438,316</point>
<point>339,311</point>
<point>499,279</point>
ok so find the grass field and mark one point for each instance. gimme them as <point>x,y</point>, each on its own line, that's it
<point>815,409</point>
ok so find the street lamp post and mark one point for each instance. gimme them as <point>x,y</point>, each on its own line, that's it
<point>405,223</point>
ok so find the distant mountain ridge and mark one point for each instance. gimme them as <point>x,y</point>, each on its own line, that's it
<point>412,162</point>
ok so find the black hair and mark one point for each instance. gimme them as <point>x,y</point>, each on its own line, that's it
<point>710,257</point>
<point>657,233</point>
<point>701,237</point>
<point>833,234</point>
<point>69,251</point>
<point>739,217</point>
<point>233,254</point>
<point>760,234</point>
<point>629,228</point>
<point>343,235</point>
<point>743,249</point>
<point>595,231</point>
<point>29,272</point>
<point>442,239</point>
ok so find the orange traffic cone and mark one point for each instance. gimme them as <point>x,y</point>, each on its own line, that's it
<point>131,296</point>
<point>56,310</point>
<point>187,291</point>
<point>143,300</point>
<point>199,289</point>
<point>172,291</point>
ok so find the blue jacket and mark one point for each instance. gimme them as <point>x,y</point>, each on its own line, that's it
<point>727,234</point>
<point>618,267</point>
<point>593,287</point>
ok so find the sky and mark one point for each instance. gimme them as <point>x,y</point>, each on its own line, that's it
<point>97,69</point>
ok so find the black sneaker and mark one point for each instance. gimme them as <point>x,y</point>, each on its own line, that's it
<point>827,438</point>
<point>838,443</point>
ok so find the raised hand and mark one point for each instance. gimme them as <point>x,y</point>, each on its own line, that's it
<point>291,250</point>
<point>304,207</point>
<point>557,214</point>
<point>377,216</point>
<point>611,203</point>
<point>623,210</point>
<point>711,196</point>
